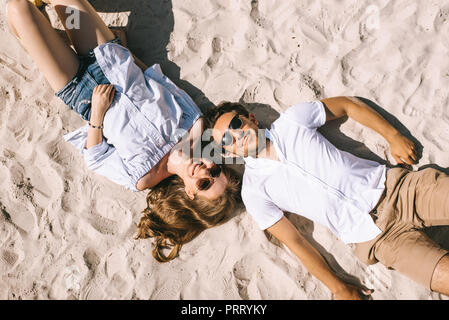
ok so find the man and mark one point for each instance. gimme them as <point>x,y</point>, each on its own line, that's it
<point>381,210</point>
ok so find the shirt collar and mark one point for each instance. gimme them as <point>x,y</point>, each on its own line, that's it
<point>250,161</point>
<point>254,162</point>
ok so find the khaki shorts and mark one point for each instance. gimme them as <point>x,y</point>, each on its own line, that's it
<point>412,201</point>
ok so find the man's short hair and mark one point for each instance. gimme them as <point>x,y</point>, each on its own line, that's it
<point>225,107</point>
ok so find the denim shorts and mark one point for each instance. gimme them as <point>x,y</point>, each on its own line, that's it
<point>77,94</point>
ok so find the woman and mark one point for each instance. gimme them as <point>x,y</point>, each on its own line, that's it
<point>142,115</point>
<point>150,125</point>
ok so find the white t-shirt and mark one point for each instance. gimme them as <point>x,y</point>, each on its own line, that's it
<point>313,179</point>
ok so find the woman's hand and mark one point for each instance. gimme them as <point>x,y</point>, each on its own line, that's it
<point>403,150</point>
<point>353,292</point>
<point>101,100</point>
<point>102,97</point>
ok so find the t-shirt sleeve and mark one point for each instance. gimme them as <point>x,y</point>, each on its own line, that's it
<point>308,114</point>
<point>263,211</point>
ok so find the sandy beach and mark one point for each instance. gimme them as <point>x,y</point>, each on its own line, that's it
<point>68,233</point>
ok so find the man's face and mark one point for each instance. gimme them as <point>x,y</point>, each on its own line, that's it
<point>236,134</point>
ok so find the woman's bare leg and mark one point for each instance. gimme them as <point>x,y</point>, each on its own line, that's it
<point>55,59</point>
<point>87,33</point>
<point>92,30</point>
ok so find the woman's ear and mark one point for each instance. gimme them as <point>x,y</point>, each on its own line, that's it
<point>252,118</point>
<point>189,193</point>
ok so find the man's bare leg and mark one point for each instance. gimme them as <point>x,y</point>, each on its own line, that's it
<point>55,59</point>
<point>440,278</point>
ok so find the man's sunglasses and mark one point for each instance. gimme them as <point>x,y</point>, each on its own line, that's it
<point>204,184</point>
<point>228,138</point>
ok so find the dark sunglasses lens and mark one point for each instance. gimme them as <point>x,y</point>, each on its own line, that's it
<point>215,171</point>
<point>235,123</point>
<point>203,184</point>
<point>227,139</point>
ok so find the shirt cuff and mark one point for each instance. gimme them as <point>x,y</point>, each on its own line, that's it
<point>92,154</point>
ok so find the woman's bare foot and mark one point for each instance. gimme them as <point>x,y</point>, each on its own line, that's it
<point>40,4</point>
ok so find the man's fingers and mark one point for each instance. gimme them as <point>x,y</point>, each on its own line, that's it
<point>398,159</point>
<point>368,292</point>
<point>408,160</point>
<point>412,156</point>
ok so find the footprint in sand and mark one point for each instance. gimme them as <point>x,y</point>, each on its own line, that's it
<point>115,262</point>
<point>217,48</point>
<point>258,277</point>
<point>116,267</point>
<point>313,85</point>
<point>256,16</point>
<point>11,253</point>
<point>437,134</point>
<point>441,21</point>
<point>110,217</point>
<point>91,259</point>
<point>426,15</point>
<point>92,292</point>
<point>8,261</point>
<point>4,291</point>
<point>21,214</point>
<point>13,66</point>
<point>119,287</point>
<point>195,44</point>
<point>46,183</point>
<point>378,278</point>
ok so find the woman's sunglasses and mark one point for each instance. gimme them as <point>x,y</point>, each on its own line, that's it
<point>228,138</point>
<point>204,184</point>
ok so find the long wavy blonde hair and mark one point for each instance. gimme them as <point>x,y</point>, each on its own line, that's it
<point>173,219</point>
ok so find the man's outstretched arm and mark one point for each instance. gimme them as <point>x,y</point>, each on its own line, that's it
<point>287,233</point>
<point>402,149</point>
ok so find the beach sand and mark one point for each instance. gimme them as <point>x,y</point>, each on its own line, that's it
<point>67,233</point>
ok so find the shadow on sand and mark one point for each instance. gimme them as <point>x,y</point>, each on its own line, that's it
<point>150,24</point>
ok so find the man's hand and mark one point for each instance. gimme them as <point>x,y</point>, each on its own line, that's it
<point>402,149</point>
<point>352,292</point>
<point>102,97</point>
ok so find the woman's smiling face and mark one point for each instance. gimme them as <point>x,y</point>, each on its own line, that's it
<point>200,180</point>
